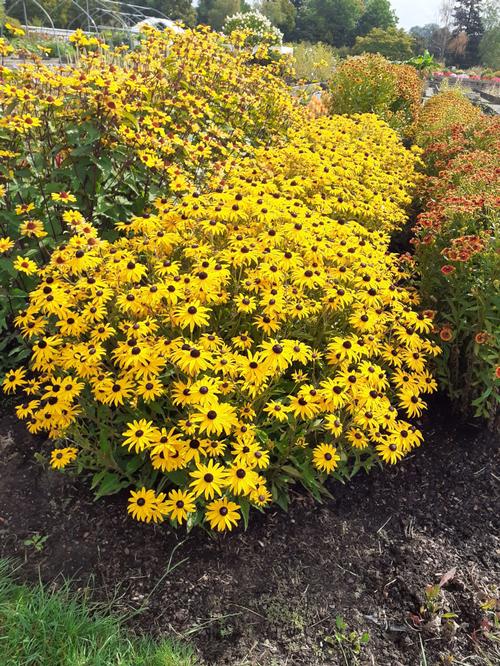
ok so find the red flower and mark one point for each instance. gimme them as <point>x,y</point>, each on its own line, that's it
<point>446,334</point>
<point>481,337</point>
<point>447,270</point>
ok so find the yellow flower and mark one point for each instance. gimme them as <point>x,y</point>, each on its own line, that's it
<point>25,265</point>
<point>32,228</point>
<point>208,479</point>
<point>325,458</point>
<point>144,505</point>
<point>222,514</point>
<point>192,314</point>
<point>139,436</point>
<point>60,458</point>
<point>14,379</point>
<point>218,418</point>
<point>179,505</point>
<point>6,244</point>
<point>63,197</point>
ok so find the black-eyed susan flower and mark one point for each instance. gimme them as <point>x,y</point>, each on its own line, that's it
<point>60,458</point>
<point>144,505</point>
<point>25,265</point>
<point>216,419</point>
<point>411,402</point>
<point>14,379</point>
<point>390,452</point>
<point>179,505</point>
<point>222,514</point>
<point>139,436</point>
<point>241,479</point>
<point>63,197</point>
<point>325,457</point>
<point>32,228</point>
<point>6,244</point>
<point>209,479</point>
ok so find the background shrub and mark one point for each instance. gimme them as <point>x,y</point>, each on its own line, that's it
<point>258,28</point>
<point>371,84</point>
<point>441,117</point>
<point>314,62</point>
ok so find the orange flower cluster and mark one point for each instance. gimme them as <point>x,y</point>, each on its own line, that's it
<point>464,247</point>
<point>457,247</point>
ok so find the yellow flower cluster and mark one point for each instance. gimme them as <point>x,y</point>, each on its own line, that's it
<point>240,340</point>
<point>180,104</point>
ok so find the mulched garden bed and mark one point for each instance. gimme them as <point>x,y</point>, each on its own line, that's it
<point>270,596</point>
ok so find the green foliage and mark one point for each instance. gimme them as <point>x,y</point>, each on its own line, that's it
<point>314,62</point>
<point>423,63</point>
<point>349,643</point>
<point>371,84</point>
<point>39,627</point>
<point>329,21</point>
<point>393,43</point>
<point>36,541</point>
<point>489,48</point>
<point>215,12</point>
<point>281,13</point>
<point>467,20</point>
<point>378,14</point>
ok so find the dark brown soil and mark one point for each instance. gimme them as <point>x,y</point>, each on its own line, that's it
<point>270,596</point>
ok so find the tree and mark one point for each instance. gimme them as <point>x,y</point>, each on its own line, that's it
<point>467,20</point>
<point>378,14</point>
<point>489,48</point>
<point>424,36</point>
<point>281,13</point>
<point>176,10</point>
<point>220,10</point>
<point>204,7</point>
<point>329,21</point>
<point>394,43</point>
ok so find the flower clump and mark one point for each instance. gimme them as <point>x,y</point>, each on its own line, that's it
<point>253,27</point>
<point>240,340</point>
<point>119,128</point>
<point>370,83</point>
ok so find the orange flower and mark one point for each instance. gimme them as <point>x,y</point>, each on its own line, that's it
<point>446,334</point>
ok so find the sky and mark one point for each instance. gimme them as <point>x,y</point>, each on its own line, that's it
<point>416,12</point>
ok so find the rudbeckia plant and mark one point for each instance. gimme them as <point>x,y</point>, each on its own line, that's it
<point>227,345</point>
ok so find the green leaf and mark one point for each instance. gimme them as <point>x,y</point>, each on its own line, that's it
<point>291,471</point>
<point>339,623</point>
<point>245,510</point>
<point>107,483</point>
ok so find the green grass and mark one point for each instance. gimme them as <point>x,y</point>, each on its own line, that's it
<point>41,627</point>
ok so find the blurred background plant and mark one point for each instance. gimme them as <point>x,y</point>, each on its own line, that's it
<point>371,84</point>
<point>314,62</point>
